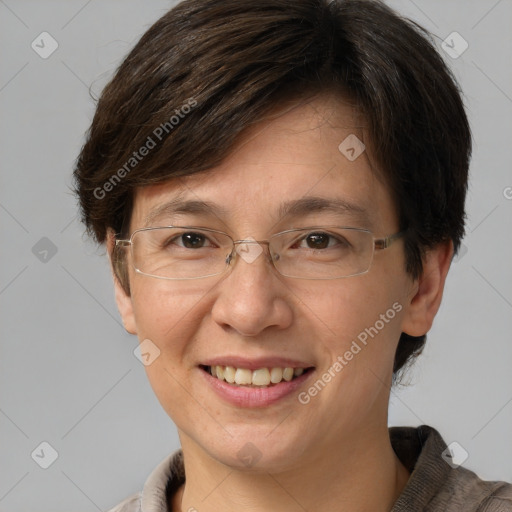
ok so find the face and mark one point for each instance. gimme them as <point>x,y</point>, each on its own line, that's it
<point>251,317</point>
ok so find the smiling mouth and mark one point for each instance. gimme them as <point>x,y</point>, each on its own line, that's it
<point>260,378</point>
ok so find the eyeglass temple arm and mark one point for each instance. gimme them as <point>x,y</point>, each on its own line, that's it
<point>384,243</point>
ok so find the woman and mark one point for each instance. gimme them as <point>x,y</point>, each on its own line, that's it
<point>281,205</point>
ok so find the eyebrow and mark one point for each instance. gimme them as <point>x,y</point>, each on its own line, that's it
<point>313,204</point>
<point>289,209</point>
<point>179,205</point>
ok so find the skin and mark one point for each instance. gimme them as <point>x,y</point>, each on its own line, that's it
<point>333,453</point>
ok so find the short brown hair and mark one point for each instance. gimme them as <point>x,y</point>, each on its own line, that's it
<point>232,61</point>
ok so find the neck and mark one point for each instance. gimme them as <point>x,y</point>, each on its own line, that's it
<point>357,476</point>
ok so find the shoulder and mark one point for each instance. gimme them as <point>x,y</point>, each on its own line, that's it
<point>500,500</point>
<point>475,494</point>
<point>436,483</point>
<point>465,491</point>
<point>160,485</point>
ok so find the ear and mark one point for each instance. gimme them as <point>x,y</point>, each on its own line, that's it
<point>427,290</point>
<point>123,299</point>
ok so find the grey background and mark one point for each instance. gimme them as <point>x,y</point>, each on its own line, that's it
<point>68,375</point>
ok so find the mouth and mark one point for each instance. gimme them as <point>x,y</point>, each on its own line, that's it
<point>258,378</point>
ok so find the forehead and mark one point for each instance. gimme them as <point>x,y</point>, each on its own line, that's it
<point>301,158</point>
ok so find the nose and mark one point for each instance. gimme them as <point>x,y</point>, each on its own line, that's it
<point>252,297</point>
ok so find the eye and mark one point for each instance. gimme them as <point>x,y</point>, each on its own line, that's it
<point>320,240</point>
<point>190,240</point>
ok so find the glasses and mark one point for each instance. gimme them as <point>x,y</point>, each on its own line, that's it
<point>187,252</point>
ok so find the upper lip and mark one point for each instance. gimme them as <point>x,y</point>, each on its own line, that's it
<point>256,363</point>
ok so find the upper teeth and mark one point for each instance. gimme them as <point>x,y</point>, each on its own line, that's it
<point>259,377</point>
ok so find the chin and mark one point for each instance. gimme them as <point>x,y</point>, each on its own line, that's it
<point>254,450</point>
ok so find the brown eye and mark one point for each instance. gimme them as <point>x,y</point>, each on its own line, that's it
<point>318,240</point>
<point>187,240</point>
<point>192,240</point>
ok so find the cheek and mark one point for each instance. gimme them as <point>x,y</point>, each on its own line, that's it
<point>359,324</point>
<point>168,313</point>
<point>346,307</point>
<point>357,320</point>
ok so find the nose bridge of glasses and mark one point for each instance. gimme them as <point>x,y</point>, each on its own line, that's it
<point>249,249</point>
<point>251,240</point>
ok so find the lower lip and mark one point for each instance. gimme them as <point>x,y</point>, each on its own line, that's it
<point>243,396</point>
